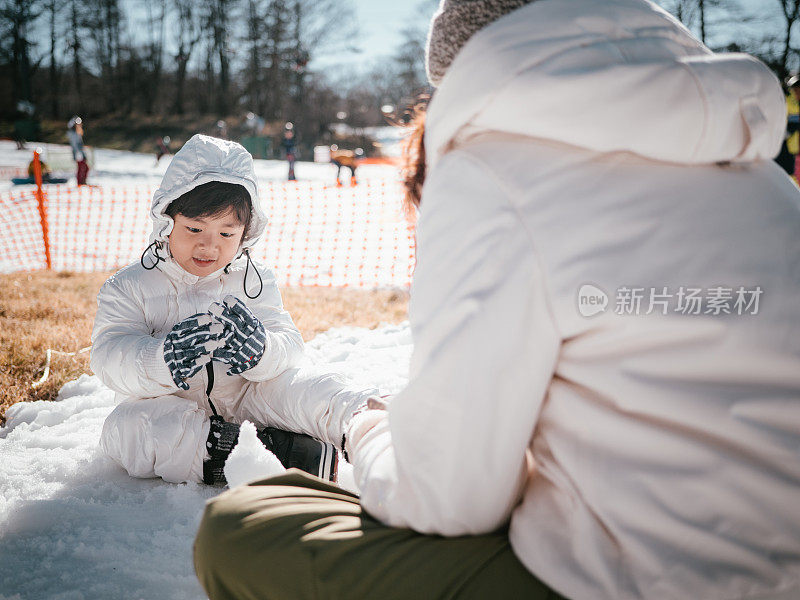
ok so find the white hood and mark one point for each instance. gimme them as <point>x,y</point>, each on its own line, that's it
<point>611,75</point>
<point>201,160</point>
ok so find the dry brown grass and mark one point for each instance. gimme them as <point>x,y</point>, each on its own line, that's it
<point>44,310</point>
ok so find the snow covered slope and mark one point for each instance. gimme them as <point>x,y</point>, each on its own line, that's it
<point>318,234</point>
<point>74,526</point>
<point>117,167</point>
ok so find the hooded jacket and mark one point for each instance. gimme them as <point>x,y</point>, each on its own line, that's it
<point>138,307</point>
<point>590,164</point>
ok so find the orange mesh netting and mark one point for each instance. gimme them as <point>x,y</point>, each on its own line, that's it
<point>317,235</point>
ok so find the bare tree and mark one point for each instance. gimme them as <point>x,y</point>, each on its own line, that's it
<point>409,59</point>
<point>256,48</point>
<point>75,41</point>
<point>99,22</point>
<point>219,17</point>
<point>188,35</point>
<point>53,9</point>
<point>18,16</point>
<point>274,81</point>
<point>297,31</point>
<point>322,26</point>
<point>790,9</point>
<point>153,52</point>
<point>701,15</point>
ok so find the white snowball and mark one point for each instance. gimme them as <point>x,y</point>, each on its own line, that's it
<point>250,460</point>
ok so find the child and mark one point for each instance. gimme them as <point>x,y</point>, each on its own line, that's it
<point>194,339</point>
<point>45,170</point>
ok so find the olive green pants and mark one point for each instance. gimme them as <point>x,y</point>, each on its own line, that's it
<point>296,536</point>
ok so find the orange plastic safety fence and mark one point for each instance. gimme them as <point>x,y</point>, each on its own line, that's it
<point>9,172</point>
<point>318,235</point>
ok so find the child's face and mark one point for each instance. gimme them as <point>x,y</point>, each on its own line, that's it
<point>205,244</point>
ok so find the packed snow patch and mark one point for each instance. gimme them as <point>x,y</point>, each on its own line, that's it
<point>75,526</point>
<point>250,460</point>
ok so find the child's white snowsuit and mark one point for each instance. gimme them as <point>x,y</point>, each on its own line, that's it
<point>158,429</point>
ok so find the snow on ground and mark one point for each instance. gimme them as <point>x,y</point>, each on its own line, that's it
<point>318,234</point>
<point>250,460</point>
<point>119,167</point>
<point>75,526</point>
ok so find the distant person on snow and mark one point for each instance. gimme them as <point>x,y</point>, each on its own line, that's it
<point>162,147</point>
<point>75,136</point>
<point>194,339</point>
<point>46,174</point>
<point>290,149</point>
<point>603,399</point>
<point>347,159</point>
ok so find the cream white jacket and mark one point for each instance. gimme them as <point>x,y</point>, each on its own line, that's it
<point>654,455</point>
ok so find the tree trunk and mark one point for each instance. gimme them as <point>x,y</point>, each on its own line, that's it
<point>701,5</point>
<point>790,8</point>
<point>52,8</point>
<point>20,18</point>
<point>189,34</point>
<point>180,81</point>
<point>75,46</point>
<point>155,53</point>
<point>254,27</point>
<point>221,41</point>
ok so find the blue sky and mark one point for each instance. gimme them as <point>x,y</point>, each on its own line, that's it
<point>380,24</point>
<point>382,21</point>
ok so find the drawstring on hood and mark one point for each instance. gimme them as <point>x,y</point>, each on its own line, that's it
<point>201,160</point>
<point>158,257</point>
<point>246,272</point>
<point>227,270</point>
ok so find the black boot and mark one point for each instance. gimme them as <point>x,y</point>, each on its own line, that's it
<point>222,438</point>
<point>292,449</point>
<point>301,452</point>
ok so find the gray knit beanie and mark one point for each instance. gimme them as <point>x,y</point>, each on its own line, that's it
<point>454,23</point>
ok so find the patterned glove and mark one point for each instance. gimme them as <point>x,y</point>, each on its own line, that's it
<point>245,337</point>
<point>188,347</point>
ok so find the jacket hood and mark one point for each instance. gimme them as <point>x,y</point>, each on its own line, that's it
<point>616,75</point>
<point>201,160</point>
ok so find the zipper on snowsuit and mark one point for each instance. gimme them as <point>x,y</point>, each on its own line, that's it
<point>210,386</point>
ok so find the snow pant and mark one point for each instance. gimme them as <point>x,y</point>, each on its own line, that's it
<point>291,160</point>
<point>166,436</point>
<point>339,170</point>
<point>83,171</point>
<point>297,536</point>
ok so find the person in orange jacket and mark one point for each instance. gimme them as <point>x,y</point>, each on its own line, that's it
<point>344,158</point>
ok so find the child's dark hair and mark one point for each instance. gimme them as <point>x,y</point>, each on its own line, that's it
<point>212,199</point>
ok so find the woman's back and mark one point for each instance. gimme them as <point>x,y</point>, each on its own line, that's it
<point>630,170</point>
<point>660,433</point>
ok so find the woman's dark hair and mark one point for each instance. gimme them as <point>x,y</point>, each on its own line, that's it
<point>212,199</point>
<point>414,159</point>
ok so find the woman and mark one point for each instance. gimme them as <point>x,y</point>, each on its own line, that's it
<point>607,336</point>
